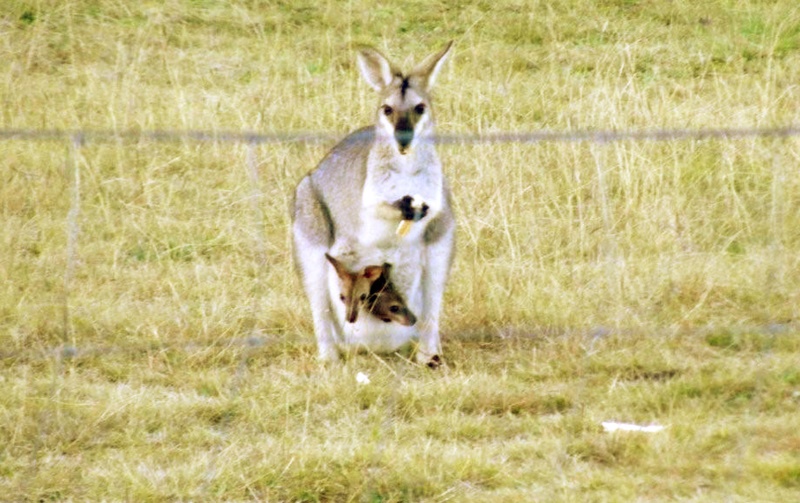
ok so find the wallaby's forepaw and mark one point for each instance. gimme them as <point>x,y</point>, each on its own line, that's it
<point>412,208</point>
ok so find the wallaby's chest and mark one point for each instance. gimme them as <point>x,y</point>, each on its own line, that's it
<point>386,184</point>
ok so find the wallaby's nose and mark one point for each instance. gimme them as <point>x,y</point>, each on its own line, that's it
<point>403,137</point>
<point>410,319</point>
<point>403,133</point>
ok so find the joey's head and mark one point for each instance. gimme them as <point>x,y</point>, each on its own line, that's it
<point>405,112</point>
<point>355,286</point>
<point>386,303</point>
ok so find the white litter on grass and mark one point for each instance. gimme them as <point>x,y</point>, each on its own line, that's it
<point>614,426</point>
<point>362,378</point>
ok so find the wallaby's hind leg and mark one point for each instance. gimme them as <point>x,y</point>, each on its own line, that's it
<point>311,233</point>
<point>316,287</point>
<point>440,238</point>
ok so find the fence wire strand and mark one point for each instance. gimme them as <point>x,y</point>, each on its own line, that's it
<point>601,136</point>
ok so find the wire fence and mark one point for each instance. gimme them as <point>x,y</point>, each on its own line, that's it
<point>105,136</point>
<point>250,342</point>
<point>79,138</point>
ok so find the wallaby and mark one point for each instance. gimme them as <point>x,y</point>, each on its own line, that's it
<point>382,190</point>
<point>371,289</point>
<point>386,303</point>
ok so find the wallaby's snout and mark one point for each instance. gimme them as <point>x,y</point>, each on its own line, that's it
<point>403,123</point>
<point>404,134</point>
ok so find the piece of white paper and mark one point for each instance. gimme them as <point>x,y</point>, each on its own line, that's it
<point>362,378</point>
<point>614,426</point>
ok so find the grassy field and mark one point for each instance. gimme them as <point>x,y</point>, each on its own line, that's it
<point>154,340</point>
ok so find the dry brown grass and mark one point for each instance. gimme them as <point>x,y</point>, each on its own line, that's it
<point>635,281</point>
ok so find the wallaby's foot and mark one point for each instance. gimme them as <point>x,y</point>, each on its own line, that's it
<point>431,361</point>
<point>328,354</point>
<point>412,208</point>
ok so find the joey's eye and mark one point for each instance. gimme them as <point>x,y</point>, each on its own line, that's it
<point>363,297</point>
<point>420,109</point>
<point>394,309</point>
<point>341,297</point>
<point>387,110</point>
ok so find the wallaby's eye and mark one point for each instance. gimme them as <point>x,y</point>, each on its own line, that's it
<point>387,110</point>
<point>420,109</point>
<point>341,297</point>
<point>394,309</point>
<point>363,297</point>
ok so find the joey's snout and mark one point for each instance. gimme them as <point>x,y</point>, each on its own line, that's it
<point>404,317</point>
<point>409,319</point>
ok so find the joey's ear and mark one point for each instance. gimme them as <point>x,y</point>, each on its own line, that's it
<point>386,268</point>
<point>332,260</point>
<point>427,71</point>
<point>373,272</point>
<point>340,269</point>
<point>375,68</point>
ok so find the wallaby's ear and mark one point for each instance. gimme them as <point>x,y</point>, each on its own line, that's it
<point>375,68</point>
<point>373,272</point>
<point>427,71</point>
<point>386,268</point>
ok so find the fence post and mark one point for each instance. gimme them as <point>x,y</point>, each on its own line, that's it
<point>73,229</point>
<point>777,221</point>
<point>258,226</point>
<point>65,350</point>
<point>609,246</point>
<point>253,340</point>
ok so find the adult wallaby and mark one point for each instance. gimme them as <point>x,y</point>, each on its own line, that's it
<point>372,290</point>
<point>381,192</point>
